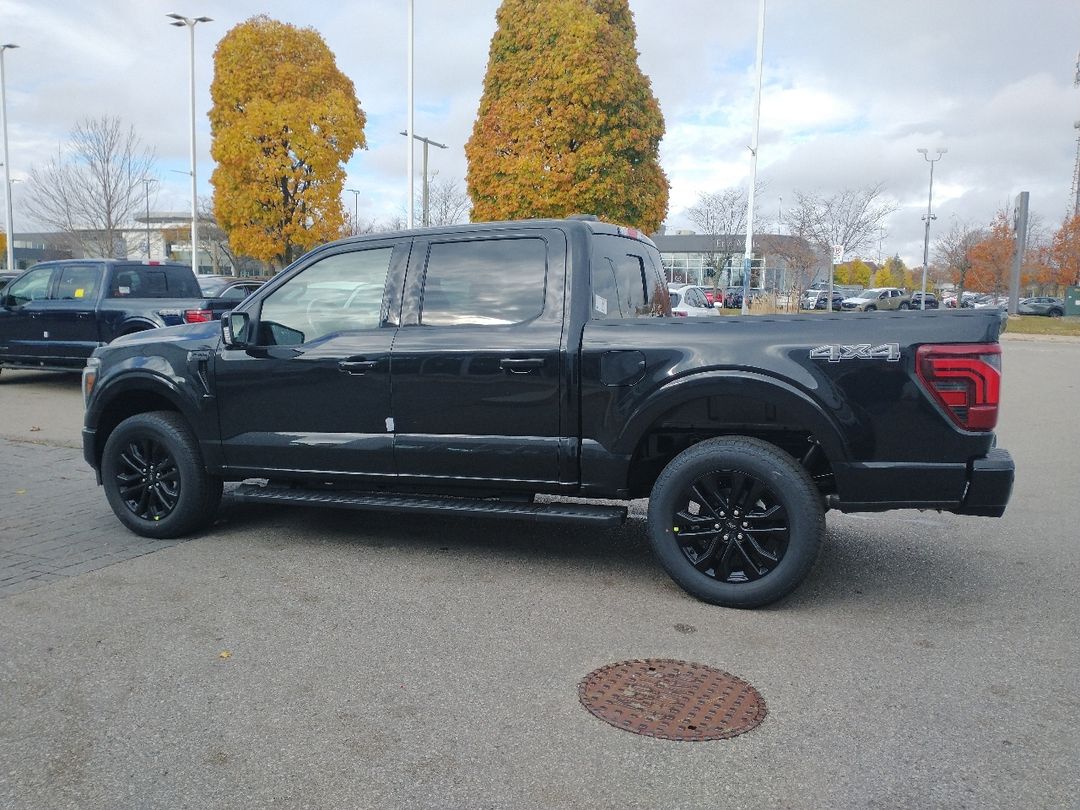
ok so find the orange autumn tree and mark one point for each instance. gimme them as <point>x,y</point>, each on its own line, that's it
<point>284,121</point>
<point>992,257</point>
<point>1064,256</point>
<point>567,121</point>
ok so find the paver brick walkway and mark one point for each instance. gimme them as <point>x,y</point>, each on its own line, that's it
<point>54,519</point>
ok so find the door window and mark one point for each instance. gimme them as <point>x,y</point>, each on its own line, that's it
<point>340,293</point>
<point>32,287</point>
<point>78,283</point>
<point>490,282</point>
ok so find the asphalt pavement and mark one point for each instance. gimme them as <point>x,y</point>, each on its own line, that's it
<point>292,657</point>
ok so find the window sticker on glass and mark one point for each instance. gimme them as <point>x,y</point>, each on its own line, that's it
<point>600,303</point>
<point>124,290</point>
<point>79,292</point>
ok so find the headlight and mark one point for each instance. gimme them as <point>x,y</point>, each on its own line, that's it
<point>89,378</point>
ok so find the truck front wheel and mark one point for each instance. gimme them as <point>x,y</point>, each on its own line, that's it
<point>154,476</point>
<point>736,521</point>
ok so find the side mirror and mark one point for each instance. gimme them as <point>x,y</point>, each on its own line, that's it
<point>234,329</point>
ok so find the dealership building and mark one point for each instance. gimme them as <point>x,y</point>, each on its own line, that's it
<point>696,258</point>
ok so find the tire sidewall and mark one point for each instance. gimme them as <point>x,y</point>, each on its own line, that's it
<point>791,487</point>
<point>190,503</point>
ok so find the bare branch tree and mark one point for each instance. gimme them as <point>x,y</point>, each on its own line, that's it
<point>720,212</point>
<point>448,204</point>
<point>850,217</point>
<point>97,190</point>
<point>799,256</point>
<point>953,250</point>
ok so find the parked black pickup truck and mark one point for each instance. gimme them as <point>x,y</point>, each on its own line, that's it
<point>466,370</point>
<point>56,313</point>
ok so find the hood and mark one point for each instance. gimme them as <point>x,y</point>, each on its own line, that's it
<point>207,332</point>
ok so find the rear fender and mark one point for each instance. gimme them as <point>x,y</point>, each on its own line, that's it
<point>739,401</point>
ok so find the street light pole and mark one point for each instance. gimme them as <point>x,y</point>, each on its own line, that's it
<point>180,21</point>
<point>426,142</point>
<point>929,216</point>
<point>146,181</point>
<point>355,197</point>
<point>409,215</point>
<point>748,253</point>
<point>7,164</point>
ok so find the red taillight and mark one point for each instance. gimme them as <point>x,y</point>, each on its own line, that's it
<point>198,315</point>
<point>965,380</point>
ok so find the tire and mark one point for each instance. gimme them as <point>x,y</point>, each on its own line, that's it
<point>155,479</point>
<point>905,305</point>
<point>710,493</point>
<point>1055,313</point>
<point>870,308</point>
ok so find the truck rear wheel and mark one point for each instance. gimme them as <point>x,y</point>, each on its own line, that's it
<point>736,522</point>
<point>155,479</point>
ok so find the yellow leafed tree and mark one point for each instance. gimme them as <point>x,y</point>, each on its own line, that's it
<point>284,121</point>
<point>567,122</point>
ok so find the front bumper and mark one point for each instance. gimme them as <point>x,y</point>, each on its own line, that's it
<point>89,449</point>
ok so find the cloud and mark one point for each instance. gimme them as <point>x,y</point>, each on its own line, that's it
<point>851,90</point>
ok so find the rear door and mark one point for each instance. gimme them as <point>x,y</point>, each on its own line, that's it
<point>477,366</point>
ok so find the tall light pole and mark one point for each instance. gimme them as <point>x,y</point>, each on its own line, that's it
<point>409,216</point>
<point>427,142</point>
<point>929,216</point>
<point>146,181</point>
<point>355,197</point>
<point>179,22</point>
<point>748,254</point>
<point>7,164</point>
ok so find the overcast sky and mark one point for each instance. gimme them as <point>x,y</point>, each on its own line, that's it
<point>852,89</point>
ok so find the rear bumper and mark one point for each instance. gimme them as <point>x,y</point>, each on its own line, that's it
<point>980,487</point>
<point>989,485</point>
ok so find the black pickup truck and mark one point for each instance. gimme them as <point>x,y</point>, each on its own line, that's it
<point>467,370</point>
<point>56,313</point>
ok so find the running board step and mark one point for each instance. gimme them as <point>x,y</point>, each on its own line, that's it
<point>387,502</point>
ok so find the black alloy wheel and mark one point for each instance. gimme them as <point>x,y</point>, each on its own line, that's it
<point>154,476</point>
<point>732,528</point>
<point>147,478</point>
<point>736,521</point>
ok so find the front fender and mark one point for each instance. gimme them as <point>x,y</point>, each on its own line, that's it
<point>150,385</point>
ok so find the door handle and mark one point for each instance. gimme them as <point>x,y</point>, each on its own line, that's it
<point>356,366</point>
<point>521,365</point>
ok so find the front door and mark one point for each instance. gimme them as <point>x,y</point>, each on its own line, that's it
<point>22,338</point>
<point>310,394</point>
<point>477,369</point>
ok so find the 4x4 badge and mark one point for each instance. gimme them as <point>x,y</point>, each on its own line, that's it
<point>834,353</point>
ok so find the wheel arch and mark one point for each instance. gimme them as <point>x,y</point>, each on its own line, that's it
<point>134,325</point>
<point>136,392</point>
<point>732,403</point>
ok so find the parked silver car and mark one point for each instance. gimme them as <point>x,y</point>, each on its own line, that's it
<point>878,298</point>
<point>1042,305</point>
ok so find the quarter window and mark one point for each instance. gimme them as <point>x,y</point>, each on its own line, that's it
<point>625,280</point>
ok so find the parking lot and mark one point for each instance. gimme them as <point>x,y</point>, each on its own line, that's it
<point>300,658</point>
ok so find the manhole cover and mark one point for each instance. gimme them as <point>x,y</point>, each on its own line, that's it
<point>672,700</point>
